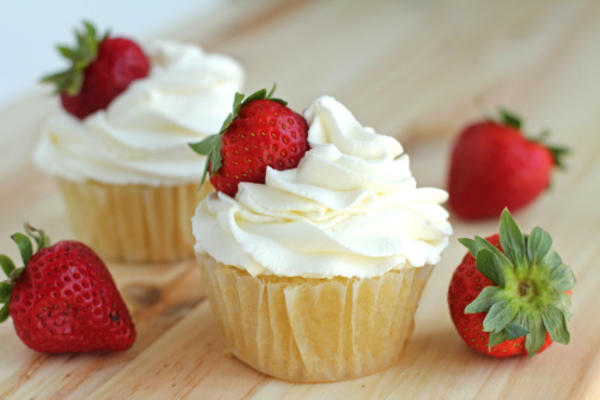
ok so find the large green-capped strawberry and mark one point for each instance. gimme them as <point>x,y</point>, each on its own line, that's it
<point>63,300</point>
<point>511,293</point>
<point>102,67</point>
<point>494,165</point>
<point>260,132</point>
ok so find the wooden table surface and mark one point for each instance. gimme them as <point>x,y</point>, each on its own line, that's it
<point>416,70</point>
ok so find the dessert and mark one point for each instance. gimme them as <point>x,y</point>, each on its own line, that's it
<point>315,274</point>
<point>494,165</point>
<point>63,299</point>
<point>128,178</point>
<point>510,295</point>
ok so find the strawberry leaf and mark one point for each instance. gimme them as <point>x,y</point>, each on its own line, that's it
<point>280,101</point>
<point>471,245</point>
<point>511,119</point>
<point>24,245</point>
<point>555,324</point>
<point>5,289</point>
<point>514,330</point>
<point>4,313</point>
<point>74,85</point>
<point>562,278</point>
<point>552,260</point>
<point>500,258</point>
<point>496,338</point>
<point>258,95</point>
<point>67,52</point>
<point>562,301</point>
<point>210,147</point>
<point>215,159</point>
<point>558,154</point>
<point>543,135</point>
<point>536,336</point>
<point>512,240</point>
<point>225,125</point>
<point>521,320</point>
<point>205,146</point>
<point>7,265</point>
<point>539,243</point>
<point>70,80</point>
<point>237,105</point>
<point>499,315</point>
<point>90,29</point>
<point>272,91</point>
<point>486,298</point>
<point>206,169</point>
<point>275,99</point>
<point>490,265</point>
<point>39,236</point>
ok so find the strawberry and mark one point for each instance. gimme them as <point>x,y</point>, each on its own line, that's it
<point>101,69</point>
<point>63,300</point>
<point>494,166</point>
<point>261,132</point>
<point>510,295</point>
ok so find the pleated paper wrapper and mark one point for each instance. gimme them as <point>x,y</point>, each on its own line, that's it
<point>314,330</point>
<point>134,223</point>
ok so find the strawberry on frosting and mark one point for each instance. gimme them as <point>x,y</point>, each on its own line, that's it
<point>102,67</point>
<point>260,132</point>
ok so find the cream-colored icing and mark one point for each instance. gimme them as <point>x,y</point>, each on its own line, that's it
<point>350,208</point>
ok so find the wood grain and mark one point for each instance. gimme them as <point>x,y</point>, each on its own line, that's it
<point>415,70</point>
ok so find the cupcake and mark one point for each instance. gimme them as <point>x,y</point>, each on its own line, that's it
<point>315,275</point>
<point>119,151</point>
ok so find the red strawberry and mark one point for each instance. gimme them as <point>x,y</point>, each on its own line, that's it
<point>64,299</point>
<point>102,68</point>
<point>494,166</point>
<point>261,131</point>
<point>510,295</point>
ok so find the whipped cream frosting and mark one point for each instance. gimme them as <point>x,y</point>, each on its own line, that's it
<point>143,136</point>
<point>350,208</point>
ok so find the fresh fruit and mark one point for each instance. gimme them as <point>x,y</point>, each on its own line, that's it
<point>101,69</point>
<point>493,165</point>
<point>510,295</point>
<point>261,132</point>
<point>63,300</point>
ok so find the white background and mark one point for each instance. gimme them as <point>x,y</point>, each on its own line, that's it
<point>30,29</point>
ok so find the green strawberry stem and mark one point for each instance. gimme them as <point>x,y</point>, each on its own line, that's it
<point>39,236</point>
<point>26,249</point>
<point>211,146</point>
<point>529,296</point>
<point>558,154</point>
<point>511,119</point>
<point>70,80</point>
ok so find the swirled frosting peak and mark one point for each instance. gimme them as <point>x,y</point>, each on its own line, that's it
<point>350,208</point>
<point>142,137</point>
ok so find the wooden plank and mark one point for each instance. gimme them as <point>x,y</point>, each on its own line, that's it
<point>416,70</point>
